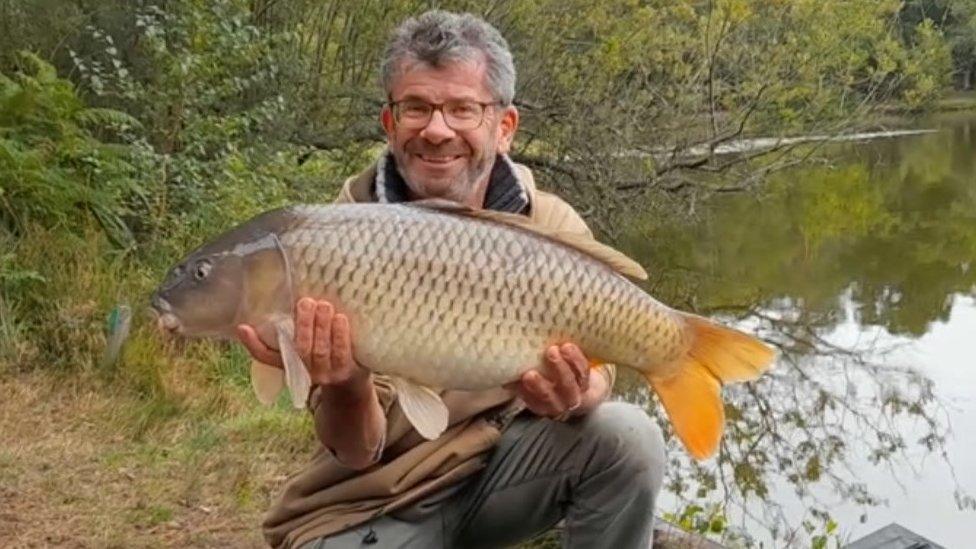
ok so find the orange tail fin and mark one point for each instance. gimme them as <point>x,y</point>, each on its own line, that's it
<point>692,396</point>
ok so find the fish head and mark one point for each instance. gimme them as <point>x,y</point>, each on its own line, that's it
<point>242,276</point>
<point>201,295</point>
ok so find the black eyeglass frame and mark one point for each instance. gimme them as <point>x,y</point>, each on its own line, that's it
<point>395,108</point>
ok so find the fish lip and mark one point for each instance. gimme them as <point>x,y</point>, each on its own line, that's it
<point>159,304</point>
<point>169,324</point>
<point>166,321</point>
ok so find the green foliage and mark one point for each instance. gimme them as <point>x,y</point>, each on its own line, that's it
<point>694,518</point>
<point>60,178</point>
<point>656,84</point>
<point>823,533</point>
<point>205,82</point>
<point>40,26</point>
<point>179,144</point>
<point>926,72</point>
<point>54,171</point>
<point>15,281</point>
<point>955,20</point>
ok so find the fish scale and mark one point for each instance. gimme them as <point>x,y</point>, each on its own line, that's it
<point>462,286</point>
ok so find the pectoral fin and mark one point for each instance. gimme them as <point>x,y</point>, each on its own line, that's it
<point>423,407</point>
<point>267,382</point>
<point>296,374</point>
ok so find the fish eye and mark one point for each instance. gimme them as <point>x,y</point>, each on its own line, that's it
<point>202,270</point>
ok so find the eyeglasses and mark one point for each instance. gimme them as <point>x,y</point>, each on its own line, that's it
<point>460,116</point>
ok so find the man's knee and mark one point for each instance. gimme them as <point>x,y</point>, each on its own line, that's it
<point>627,438</point>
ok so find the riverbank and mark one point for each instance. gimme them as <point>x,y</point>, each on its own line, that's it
<point>957,101</point>
<point>82,465</point>
<point>952,102</point>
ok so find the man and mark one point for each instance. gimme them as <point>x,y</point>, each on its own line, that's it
<point>507,468</point>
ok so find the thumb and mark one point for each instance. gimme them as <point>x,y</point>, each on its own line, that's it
<point>248,336</point>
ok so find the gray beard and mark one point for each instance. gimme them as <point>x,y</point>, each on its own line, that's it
<point>458,193</point>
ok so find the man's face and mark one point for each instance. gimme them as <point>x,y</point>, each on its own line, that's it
<point>437,161</point>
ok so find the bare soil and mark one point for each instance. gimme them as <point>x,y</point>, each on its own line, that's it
<point>78,468</point>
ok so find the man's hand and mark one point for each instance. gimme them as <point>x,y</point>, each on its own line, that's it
<point>323,342</point>
<point>348,417</point>
<point>564,386</point>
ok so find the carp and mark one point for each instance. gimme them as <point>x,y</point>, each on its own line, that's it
<point>441,296</point>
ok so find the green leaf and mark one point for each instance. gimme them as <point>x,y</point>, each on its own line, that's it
<point>96,118</point>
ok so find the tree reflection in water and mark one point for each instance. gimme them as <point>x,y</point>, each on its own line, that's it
<point>882,239</point>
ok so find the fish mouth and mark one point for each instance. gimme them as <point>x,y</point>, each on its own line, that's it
<point>166,321</point>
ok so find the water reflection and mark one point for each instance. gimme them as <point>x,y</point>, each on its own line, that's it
<point>881,241</point>
<point>894,220</point>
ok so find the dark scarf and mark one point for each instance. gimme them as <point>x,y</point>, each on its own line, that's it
<point>506,192</point>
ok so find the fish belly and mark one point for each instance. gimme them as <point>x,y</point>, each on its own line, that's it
<point>459,303</point>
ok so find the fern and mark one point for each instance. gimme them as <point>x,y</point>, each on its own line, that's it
<point>96,118</point>
<point>55,171</point>
<point>41,69</point>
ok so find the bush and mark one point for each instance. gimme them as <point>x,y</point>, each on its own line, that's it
<point>92,212</point>
<point>54,171</point>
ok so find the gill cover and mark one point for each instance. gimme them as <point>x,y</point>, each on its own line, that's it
<point>268,304</point>
<point>267,281</point>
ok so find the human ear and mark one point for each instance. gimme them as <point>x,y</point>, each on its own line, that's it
<point>506,129</point>
<point>386,120</point>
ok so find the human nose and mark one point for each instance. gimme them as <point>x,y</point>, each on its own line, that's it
<point>437,131</point>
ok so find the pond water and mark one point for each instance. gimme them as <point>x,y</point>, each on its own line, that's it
<point>863,271</point>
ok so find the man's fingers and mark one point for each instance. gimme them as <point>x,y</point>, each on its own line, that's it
<point>304,327</point>
<point>257,349</point>
<point>341,343</point>
<point>539,395</point>
<point>322,343</point>
<point>560,386</point>
<point>565,382</point>
<point>573,356</point>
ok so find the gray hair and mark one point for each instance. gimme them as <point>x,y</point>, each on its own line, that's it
<point>438,37</point>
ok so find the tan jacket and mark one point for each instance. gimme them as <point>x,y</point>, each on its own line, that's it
<point>326,498</point>
<point>547,209</point>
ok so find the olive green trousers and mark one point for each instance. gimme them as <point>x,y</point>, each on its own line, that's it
<point>600,473</point>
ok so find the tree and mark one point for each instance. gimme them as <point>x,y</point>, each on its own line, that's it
<point>956,20</point>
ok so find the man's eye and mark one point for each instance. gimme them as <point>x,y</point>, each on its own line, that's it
<point>414,110</point>
<point>463,110</point>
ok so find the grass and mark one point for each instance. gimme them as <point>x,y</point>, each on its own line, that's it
<point>82,466</point>
<point>165,448</point>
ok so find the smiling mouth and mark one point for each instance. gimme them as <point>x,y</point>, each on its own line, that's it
<point>438,159</point>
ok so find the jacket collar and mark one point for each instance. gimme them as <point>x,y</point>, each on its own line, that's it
<point>508,191</point>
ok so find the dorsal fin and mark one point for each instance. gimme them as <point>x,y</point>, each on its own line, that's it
<point>589,246</point>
